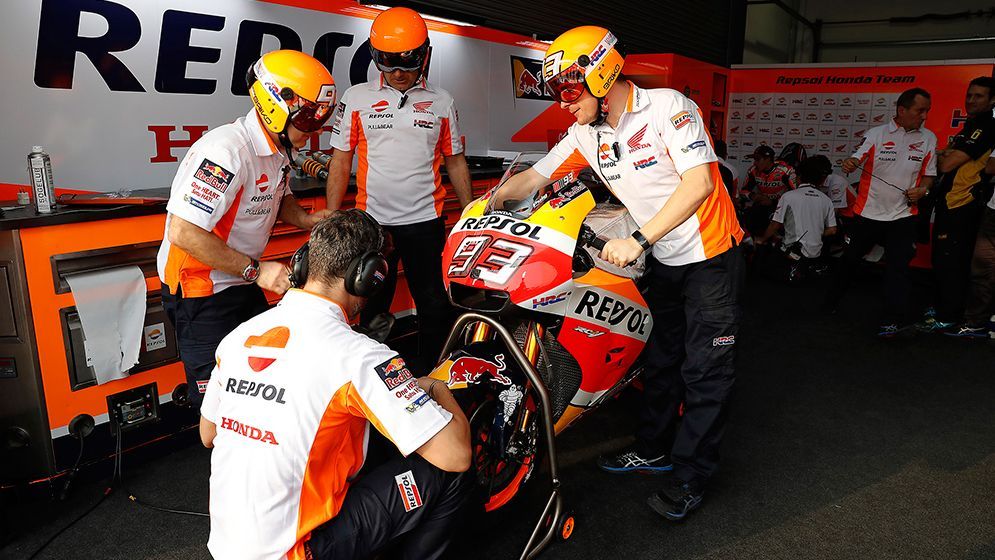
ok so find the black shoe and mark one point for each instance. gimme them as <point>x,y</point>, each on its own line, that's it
<point>629,460</point>
<point>676,500</point>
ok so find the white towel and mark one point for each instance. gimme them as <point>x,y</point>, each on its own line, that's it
<point>111,307</point>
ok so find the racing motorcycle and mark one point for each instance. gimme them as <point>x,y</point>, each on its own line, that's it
<point>549,331</point>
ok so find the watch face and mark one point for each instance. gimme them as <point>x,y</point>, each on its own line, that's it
<point>250,273</point>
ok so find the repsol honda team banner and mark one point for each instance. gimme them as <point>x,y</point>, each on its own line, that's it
<point>117,90</point>
<point>829,108</point>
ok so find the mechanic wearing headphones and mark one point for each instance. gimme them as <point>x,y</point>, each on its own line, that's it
<point>228,192</point>
<point>288,412</point>
<point>651,148</point>
<point>403,128</point>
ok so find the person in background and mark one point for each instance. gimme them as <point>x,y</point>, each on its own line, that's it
<point>766,181</point>
<point>959,205</point>
<point>896,170</point>
<point>288,412</point>
<point>728,175</point>
<point>807,216</point>
<point>670,183</point>
<point>834,185</point>
<point>403,128</point>
<point>793,154</point>
<point>229,190</point>
<point>979,315</point>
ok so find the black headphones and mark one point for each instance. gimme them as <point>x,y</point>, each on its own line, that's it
<point>365,274</point>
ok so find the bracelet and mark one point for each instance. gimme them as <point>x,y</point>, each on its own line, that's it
<point>641,239</point>
<point>431,386</point>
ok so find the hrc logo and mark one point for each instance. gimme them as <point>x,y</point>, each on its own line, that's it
<point>644,163</point>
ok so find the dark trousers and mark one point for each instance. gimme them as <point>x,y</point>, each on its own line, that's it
<point>979,303</point>
<point>200,324</point>
<point>373,514</point>
<point>898,239</point>
<point>419,247</point>
<point>954,233</point>
<point>690,358</point>
<point>756,218</point>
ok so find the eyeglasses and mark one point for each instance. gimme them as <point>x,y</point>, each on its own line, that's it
<point>567,86</point>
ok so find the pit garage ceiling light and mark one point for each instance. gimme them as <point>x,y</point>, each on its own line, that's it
<point>428,17</point>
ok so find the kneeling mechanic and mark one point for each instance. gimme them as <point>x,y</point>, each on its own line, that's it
<point>288,412</point>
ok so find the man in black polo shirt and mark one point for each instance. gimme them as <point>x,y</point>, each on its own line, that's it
<point>959,204</point>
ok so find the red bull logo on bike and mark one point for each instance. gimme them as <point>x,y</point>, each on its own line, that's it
<point>394,372</point>
<point>468,370</point>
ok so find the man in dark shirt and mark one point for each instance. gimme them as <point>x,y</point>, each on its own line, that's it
<point>959,204</point>
<point>724,170</point>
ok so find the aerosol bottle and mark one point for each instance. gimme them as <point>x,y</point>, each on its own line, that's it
<point>42,187</point>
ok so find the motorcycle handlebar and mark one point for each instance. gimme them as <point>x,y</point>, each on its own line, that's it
<point>588,237</point>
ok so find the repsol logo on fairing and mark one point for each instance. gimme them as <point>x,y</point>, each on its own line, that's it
<point>613,312</point>
<point>252,389</point>
<point>500,223</point>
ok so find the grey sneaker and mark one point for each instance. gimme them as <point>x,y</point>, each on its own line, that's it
<point>629,460</point>
<point>931,325</point>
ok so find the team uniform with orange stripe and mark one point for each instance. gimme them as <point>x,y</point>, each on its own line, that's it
<point>399,147</point>
<point>695,270</point>
<point>231,183</point>
<point>400,141</point>
<point>893,160</point>
<point>659,137</point>
<point>293,396</point>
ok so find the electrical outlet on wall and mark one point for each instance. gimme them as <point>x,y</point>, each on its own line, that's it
<point>134,407</point>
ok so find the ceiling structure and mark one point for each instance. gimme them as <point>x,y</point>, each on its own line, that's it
<point>709,30</point>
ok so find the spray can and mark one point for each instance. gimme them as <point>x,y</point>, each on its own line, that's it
<point>42,186</point>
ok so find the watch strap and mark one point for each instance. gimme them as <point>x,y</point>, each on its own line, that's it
<point>641,239</point>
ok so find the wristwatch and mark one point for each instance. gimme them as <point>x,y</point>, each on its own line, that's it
<point>641,239</point>
<point>251,271</point>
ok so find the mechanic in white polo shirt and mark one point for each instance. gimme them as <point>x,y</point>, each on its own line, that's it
<point>897,165</point>
<point>289,410</point>
<point>228,192</point>
<point>806,214</point>
<point>834,185</point>
<point>652,150</point>
<point>402,128</point>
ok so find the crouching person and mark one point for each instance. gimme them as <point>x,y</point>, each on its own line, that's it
<point>288,412</point>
